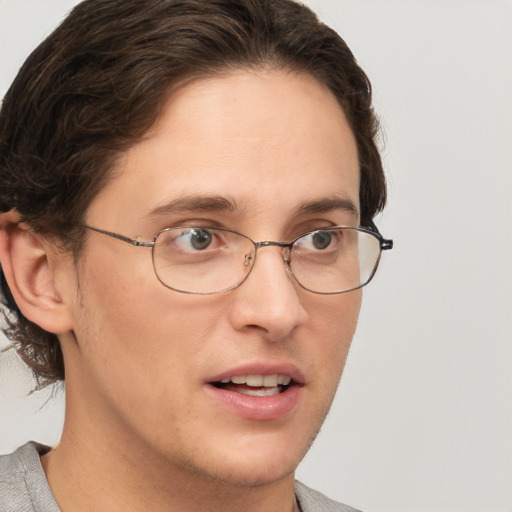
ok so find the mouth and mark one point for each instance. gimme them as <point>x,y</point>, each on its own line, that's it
<point>258,391</point>
<point>255,385</point>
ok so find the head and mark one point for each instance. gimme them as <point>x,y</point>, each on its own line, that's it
<point>100,97</point>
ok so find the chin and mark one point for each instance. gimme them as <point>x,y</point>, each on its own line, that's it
<point>251,475</point>
<point>264,462</point>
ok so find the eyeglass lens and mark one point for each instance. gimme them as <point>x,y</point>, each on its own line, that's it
<point>211,260</point>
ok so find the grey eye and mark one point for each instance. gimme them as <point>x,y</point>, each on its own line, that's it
<point>200,239</point>
<point>322,239</point>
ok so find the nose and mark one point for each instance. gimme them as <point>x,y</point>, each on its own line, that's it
<point>268,301</point>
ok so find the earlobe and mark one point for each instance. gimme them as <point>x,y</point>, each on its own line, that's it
<point>29,264</point>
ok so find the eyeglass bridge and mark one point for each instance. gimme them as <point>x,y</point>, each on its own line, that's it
<point>268,243</point>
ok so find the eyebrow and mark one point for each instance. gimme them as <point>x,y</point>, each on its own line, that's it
<point>195,203</point>
<point>222,204</point>
<point>329,204</point>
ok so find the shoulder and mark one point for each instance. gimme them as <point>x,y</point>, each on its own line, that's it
<point>23,484</point>
<point>314,501</point>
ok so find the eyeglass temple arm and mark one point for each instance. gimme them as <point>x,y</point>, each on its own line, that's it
<point>131,241</point>
<point>385,243</point>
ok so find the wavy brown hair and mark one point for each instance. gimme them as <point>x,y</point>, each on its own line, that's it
<point>98,83</point>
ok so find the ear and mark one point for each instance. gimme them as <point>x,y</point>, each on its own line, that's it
<point>30,265</point>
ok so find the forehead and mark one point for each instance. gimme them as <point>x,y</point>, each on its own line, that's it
<point>258,138</point>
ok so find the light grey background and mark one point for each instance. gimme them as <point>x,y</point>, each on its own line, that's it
<point>423,419</point>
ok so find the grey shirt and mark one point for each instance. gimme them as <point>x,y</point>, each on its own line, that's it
<point>24,488</point>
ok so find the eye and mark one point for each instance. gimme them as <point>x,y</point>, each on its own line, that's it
<point>200,239</point>
<point>321,239</point>
<point>197,239</point>
<point>317,241</point>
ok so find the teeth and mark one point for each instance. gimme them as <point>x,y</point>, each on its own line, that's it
<point>283,380</point>
<point>257,381</point>
<point>260,391</point>
<point>270,381</point>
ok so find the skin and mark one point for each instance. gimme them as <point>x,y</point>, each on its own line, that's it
<point>141,432</point>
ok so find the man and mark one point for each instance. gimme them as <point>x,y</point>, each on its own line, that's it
<point>187,191</point>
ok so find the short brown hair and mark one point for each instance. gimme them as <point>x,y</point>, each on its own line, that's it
<point>97,84</point>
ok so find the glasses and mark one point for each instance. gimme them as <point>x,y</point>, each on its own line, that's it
<point>204,260</point>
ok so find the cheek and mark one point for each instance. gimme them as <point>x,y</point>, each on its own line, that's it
<point>338,314</point>
<point>144,352</point>
<point>334,322</point>
<point>148,327</point>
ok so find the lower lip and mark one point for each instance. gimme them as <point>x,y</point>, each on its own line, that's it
<point>260,408</point>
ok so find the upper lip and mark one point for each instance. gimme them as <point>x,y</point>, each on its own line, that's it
<point>261,368</point>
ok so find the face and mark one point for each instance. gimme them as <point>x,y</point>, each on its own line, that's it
<point>150,359</point>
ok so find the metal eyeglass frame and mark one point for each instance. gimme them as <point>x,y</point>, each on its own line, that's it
<point>384,245</point>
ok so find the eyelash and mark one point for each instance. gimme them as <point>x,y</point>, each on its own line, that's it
<point>292,232</point>
<point>312,225</point>
<point>196,222</point>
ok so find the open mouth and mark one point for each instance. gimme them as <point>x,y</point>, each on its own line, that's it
<point>255,385</point>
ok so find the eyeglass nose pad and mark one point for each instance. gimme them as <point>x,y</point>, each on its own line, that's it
<point>287,255</point>
<point>248,260</point>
